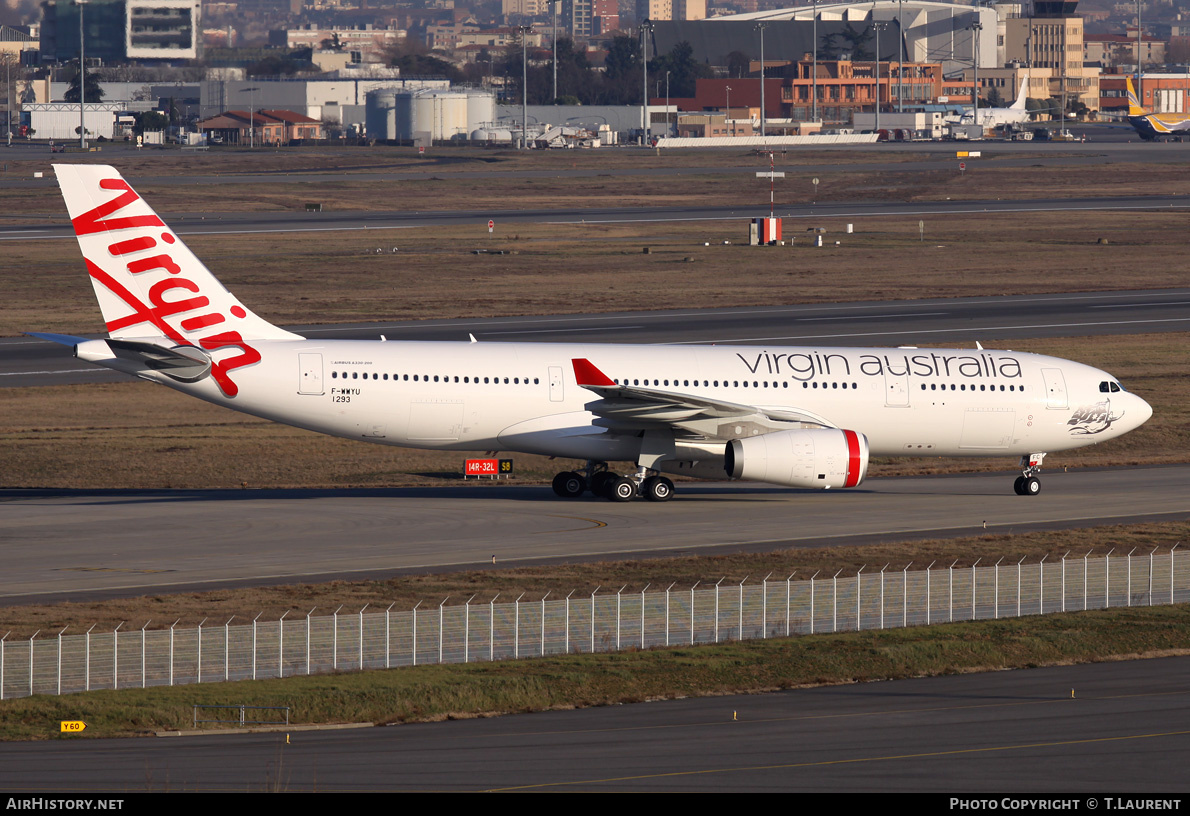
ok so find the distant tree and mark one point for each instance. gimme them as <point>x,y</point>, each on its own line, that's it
<point>94,91</point>
<point>738,64</point>
<point>150,120</point>
<point>994,99</point>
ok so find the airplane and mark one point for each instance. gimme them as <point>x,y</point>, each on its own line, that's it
<point>1014,114</point>
<point>1152,126</point>
<point>803,417</point>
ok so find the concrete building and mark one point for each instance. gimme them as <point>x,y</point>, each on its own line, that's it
<point>932,31</point>
<point>121,30</point>
<point>1162,93</point>
<point>1051,37</point>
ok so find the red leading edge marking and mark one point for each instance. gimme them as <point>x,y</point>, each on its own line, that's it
<point>853,459</point>
<point>159,307</point>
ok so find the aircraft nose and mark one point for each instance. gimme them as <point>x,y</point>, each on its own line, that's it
<point>1141,412</point>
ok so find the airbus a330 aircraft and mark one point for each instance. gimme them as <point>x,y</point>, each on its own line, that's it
<point>804,417</point>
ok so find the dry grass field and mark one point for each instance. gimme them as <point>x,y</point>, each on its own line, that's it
<point>313,278</point>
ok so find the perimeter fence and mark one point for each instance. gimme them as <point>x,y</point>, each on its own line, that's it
<point>596,622</point>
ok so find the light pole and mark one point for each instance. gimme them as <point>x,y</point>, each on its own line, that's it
<point>900,60</point>
<point>1140,95</point>
<point>728,114</point>
<point>524,86</point>
<point>814,91</point>
<point>668,130</point>
<point>82,78</point>
<point>761,26</point>
<point>554,9</point>
<point>251,115</point>
<point>975,28</point>
<point>877,26</point>
<point>646,28</point>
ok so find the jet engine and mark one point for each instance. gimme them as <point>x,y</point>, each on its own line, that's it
<point>813,457</point>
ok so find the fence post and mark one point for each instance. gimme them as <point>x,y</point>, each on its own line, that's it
<point>308,614</point>
<point>812,577</point>
<point>492,626</point>
<point>35,634</point>
<point>905,594</point>
<point>764,607</point>
<point>9,632</point>
<point>543,597</point>
<point>717,608</point>
<point>414,632</point>
<point>996,601</point>
<point>171,649</point>
<point>226,651</point>
<point>740,611</point>
<point>835,602</point>
<point>787,593</point>
<point>388,641</point>
<point>87,661</point>
<point>973,574</point>
<point>618,591</point>
<point>60,660</point>
<point>1086,589</point>
<point>281,644</point>
<point>466,634</point>
<point>116,655</point>
<point>696,583</point>
<point>516,629</point>
<point>949,590</point>
<point>1151,576</point>
<point>1128,588</point>
<point>596,589</point>
<point>667,589</point>
<point>200,623</point>
<point>882,569</point>
<point>335,640</point>
<point>1175,546</point>
<point>444,600</point>
<point>360,648</point>
<point>566,624</point>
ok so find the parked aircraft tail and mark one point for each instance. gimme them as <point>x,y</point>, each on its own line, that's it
<point>1134,106</point>
<point>1022,96</point>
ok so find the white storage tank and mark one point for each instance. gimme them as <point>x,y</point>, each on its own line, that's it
<point>405,115</point>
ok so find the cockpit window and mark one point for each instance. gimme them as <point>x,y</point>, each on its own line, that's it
<point>1109,387</point>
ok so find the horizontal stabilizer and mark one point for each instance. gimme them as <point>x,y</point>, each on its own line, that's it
<point>61,339</point>
<point>183,363</point>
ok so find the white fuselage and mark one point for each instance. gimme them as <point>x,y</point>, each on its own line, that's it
<point>524,396</point>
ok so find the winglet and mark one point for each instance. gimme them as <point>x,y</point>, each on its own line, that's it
<point>585,373</point>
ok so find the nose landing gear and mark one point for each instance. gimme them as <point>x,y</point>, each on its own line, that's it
<point>1027,484</point>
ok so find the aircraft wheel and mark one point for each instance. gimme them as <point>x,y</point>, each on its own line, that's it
<point>1031,486</point>
<point>657,489</point>
<point>600,483</point>
<point>569,485</point>
<point>621,490</point>
<point>1019,486</point>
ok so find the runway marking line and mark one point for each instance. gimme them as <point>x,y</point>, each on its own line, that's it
<point>893,712</point>
<point>595,522</point>
<point>790,766</point>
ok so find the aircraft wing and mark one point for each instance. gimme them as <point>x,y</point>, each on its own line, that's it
<point>630,408</point>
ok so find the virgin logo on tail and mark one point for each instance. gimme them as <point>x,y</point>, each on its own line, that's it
<point>148,253</point>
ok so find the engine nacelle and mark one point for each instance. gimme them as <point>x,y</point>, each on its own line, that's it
<point>812,457</point>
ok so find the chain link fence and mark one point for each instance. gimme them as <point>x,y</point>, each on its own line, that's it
<point>599,622</point>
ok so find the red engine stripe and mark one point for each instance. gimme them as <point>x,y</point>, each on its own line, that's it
<point>853,459</point>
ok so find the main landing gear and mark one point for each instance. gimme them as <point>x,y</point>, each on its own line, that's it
<point>1027,484</point>
<point>602,482</point>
